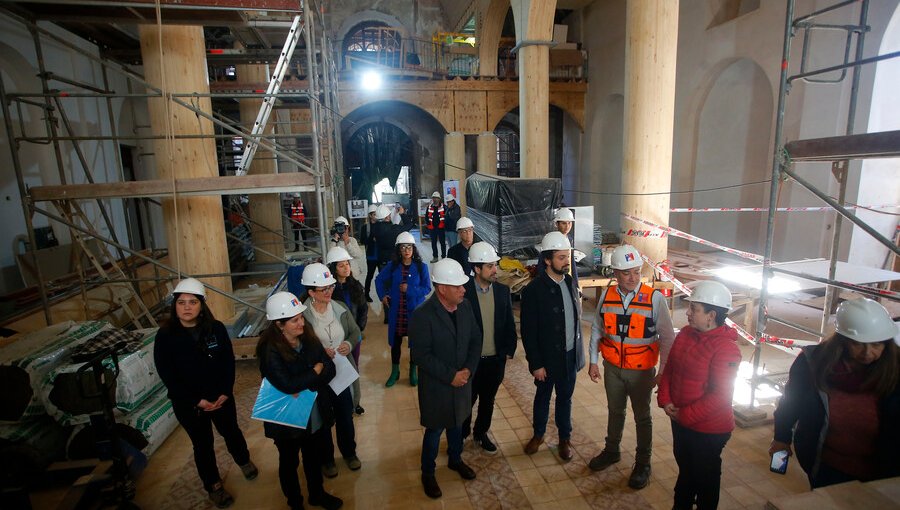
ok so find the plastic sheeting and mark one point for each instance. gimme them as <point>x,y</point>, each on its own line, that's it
<point>511,214</point>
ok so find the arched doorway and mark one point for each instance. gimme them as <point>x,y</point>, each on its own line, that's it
<point>379,157</point>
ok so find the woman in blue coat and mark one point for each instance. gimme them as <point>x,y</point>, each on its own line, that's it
<point>402,285</point>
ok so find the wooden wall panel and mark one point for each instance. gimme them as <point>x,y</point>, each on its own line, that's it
<point>470,111</point>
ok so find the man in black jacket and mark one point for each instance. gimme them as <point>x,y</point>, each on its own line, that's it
<point>492,306</point>
<point>460,251</point>
<point>551,335</point>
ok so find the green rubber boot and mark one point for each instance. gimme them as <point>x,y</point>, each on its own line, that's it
<point>413,375</point>
<point>395,374</point>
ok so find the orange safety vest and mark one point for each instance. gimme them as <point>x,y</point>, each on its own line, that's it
<point>429,216</point>
<point>629,334</point>
<point>298,212</point>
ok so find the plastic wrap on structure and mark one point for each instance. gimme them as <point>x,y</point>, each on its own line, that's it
<point>24,363</point>
<point>511,214</point>
<point>61,393</point>
<point>28,447</point>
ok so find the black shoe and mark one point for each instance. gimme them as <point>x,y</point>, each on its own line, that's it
<point>250,471</point>
<point>359,410</point>
<point>326,501</point>
<point>329,469</point>
<point>604,460</point>
<point>369,298</point>
<point>463,469</point>
<point>640,476</point>
<point>432,489</point>
<point>219,496</point>
<point>485,443</point>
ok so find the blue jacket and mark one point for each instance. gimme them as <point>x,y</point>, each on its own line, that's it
<point>387,283</point>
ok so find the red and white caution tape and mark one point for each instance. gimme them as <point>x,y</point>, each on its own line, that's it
<point>780,209</point>
<point>684,235</point>
<point>647,234</point>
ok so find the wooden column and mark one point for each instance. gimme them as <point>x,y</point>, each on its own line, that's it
<point>487,153</point>
<point>263,209</point>
<point>455,164</point>
<point>490,26</point>
<point>534,32</point>
<point>651,31</point>
<point>175,61</point>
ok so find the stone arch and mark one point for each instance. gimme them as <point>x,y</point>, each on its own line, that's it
<point>490,27</point>
<point>369,15</point>
<point>734,114</point>
<point>424,108</point>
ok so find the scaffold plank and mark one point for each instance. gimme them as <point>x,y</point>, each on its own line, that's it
<point>885,144</point>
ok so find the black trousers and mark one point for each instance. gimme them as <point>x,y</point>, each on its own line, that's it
<point>395,347</point>
<point>437,236</point>
<point>198,424</point>
<point>299,237</point>
<point>289,449</point>
<point>699,458</point>
<point>343,426</point>
<point>486,382</point>
<point>371,264</point>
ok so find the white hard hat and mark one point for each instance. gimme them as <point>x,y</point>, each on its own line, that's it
<point>865,320</point>
<point>626,257</point>
<point>341,219</point>
<point>448,272</point>
<point>563,214</point>
<point>436,194</point>
<point>555,241</point>
<point>296,195</point>
<point>405,238</point>
<point>283,305</point>
<point>337,254</point>
<point>482,252</point>
<point>464,223</point>
<point>372,208</point>
<point>190,286</point>
<point>448,197</point>
<point>317,275</point>
<point>711,293</point>
<point>382,212</point>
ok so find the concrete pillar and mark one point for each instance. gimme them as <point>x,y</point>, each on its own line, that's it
<point>534,32</point>
<point>266,209</point>
<point>455,164</point>
<point>651,30</point>
<point>487,153</point>
<point>175,60</point>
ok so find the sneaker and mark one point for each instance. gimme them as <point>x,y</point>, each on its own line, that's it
<point>463,469</point>
<point>219,496</point>
<point>485,443</point>
<point>359,410</point>
<point>250,471</point>
<point>604,460</point>
<point>329,469</point>
<point>326,501</point>
<point>640,476</point>
<point>353,463</point>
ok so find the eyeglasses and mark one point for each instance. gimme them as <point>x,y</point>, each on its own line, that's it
<point>325,289</point>
<point>406,247</point>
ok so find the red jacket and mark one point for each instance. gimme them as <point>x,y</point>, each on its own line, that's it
<point>699,379</point>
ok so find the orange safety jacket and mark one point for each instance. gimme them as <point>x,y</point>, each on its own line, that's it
<point>298,212</point>
<point>429,216</point>
<point>630,339</point>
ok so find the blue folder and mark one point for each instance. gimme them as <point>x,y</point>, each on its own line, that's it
<point>283,408</point>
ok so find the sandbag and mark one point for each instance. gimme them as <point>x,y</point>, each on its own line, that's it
<point>25,363</point>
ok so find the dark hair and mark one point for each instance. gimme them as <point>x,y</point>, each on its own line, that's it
<point>883,374</point>
<point>547,256</point>
<point>272,336</point>
<point>721,313</point>
<point>205,318</point>
<point>397,257</point>
<point>354,288</point>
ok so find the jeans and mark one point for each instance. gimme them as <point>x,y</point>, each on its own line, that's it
<point>564,386</point>
<point>699,458</point>
<point>622,384</point>
<point>438,236</point>
<point>452,237</point>
<point>485,384</point>
<point>289,449</point>
<point>198,425</point>
<point>343,427</point>
<point>432,441</point>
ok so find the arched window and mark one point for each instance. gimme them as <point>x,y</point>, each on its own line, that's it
<point>372,42</point>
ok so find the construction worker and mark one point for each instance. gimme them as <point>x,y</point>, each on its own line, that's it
<point>298,221</point>
<point>460,251</point>
<point>454,213</point>
<point>435,222</point>
<point>632,331</point>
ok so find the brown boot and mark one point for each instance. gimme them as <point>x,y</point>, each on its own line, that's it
<point>532,447</point>
<point>565,450</point>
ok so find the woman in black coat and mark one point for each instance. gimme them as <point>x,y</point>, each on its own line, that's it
<point>349,291</point>
<point>195,361</point>
<point>292,359</point>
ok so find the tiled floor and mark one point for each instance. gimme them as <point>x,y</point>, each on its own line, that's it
<point>389,438</point>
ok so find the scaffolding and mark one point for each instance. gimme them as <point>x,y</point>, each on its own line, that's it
<point>838,150</point>
<point>318,167</point>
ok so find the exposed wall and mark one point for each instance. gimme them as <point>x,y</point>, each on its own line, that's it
<point>418,18</point>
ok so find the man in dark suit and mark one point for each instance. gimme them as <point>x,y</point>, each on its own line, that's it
<point>492,306</point>
<point>445,343</point>
<point>551,335</point>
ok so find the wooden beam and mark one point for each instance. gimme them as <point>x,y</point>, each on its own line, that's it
<point>884,144</point>
<point>237,185</point>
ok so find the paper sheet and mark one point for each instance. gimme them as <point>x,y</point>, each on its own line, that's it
<point>345,376</point>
